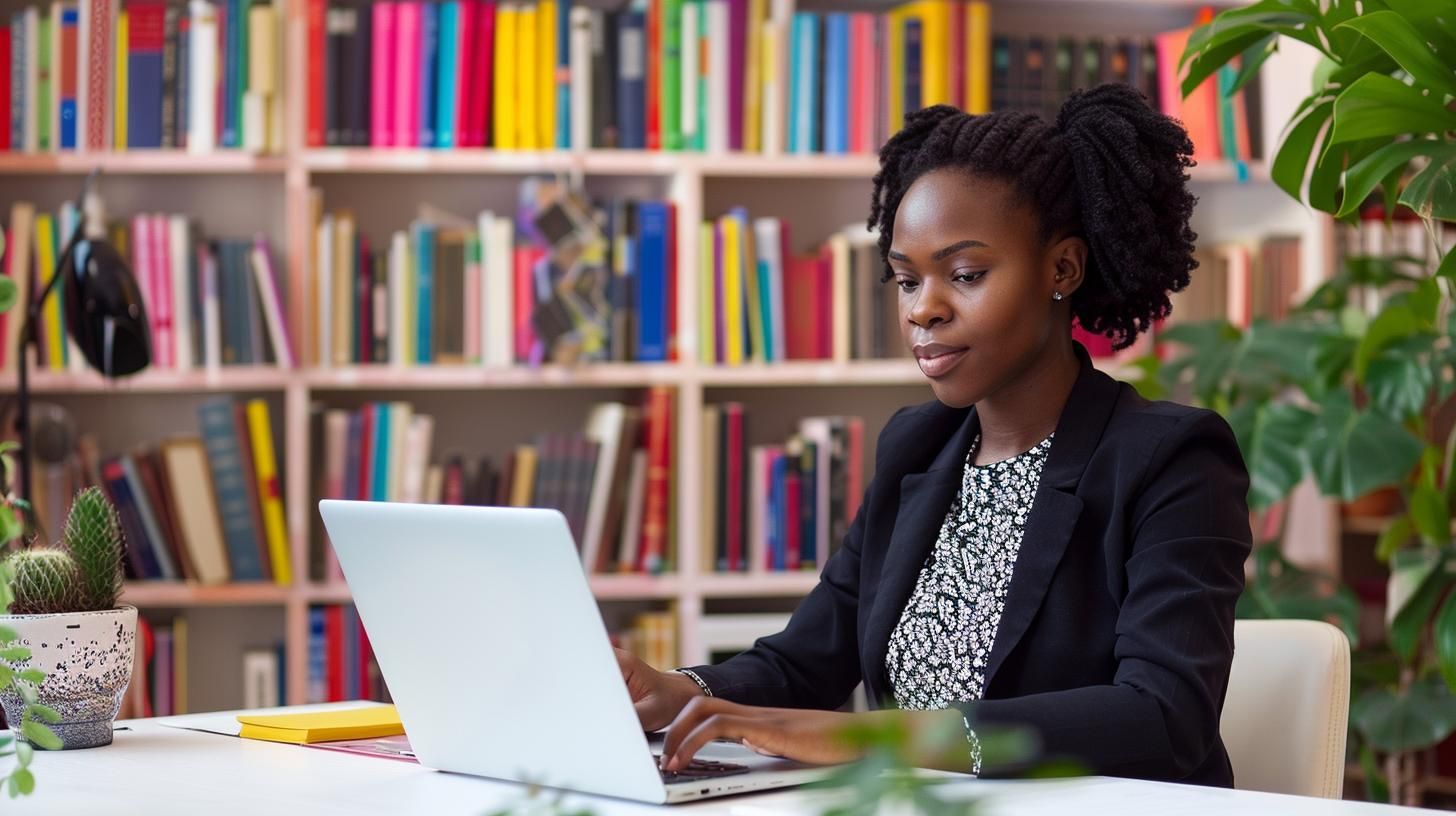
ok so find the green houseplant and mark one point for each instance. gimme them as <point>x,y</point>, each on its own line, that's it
<point>72,642</point>
<point>1336,392</point>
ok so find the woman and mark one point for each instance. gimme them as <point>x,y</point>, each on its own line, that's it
<point>1039,546</point>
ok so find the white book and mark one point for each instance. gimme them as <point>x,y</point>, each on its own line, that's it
<point>211,313</point>
<point>689,73</point>
<point>499,287</point>
<point>272,304</point>
<point>717,11</point>
<point>581,77</point>
<point>605,427</point>
<point>260,679</point>
<point>417,459</point>
<point>768,240</point>
<point>31,132</point>
<point>202,78</point>
<point>181,290</point>
<point>774,77</point>
<point>632,521</point>
<point>758,507</point>
<point>54,114</point>
<point>399,305</point>
<point>323,270</point>
<point>402,442</point>
<point>818,430</point>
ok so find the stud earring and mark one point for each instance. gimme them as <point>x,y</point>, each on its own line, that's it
<point>1056,295</point>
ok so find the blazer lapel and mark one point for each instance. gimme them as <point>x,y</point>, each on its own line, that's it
<point>1056,508</point>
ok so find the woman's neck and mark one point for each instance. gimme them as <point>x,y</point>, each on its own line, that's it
<point>1025,410</point>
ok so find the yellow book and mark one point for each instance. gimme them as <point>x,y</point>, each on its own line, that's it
<point>753,298</point>
<point>978,57</point>
<point>371,722</point>
<point>504,94</point>
<point>118,127</point>
<point>935,29</point>
<point>45,263</point>
<point>343,317</point>
<point>895,45</point>
<point>262,79</point>
<point>270,498</point>
<point>546,89</point>
<point>708,295</point>
<point>752,78</point>
<point>528,78</point>
<point>523,477</point>
<point>732,291</point>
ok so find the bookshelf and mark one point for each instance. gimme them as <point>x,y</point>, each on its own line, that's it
<point>246,193</point>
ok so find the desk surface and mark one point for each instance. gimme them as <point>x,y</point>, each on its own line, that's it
<point>158,770</point>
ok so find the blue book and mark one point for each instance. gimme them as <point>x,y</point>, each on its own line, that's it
<point>632,80</point>
<point>232,70</point>
<point>836,83</point>
<point>381,465</point>
<point>804,88</point>
<point>449,71</point>
<point>779,518</point>
<point>809,502</point>
<point>353,455</point>
<point>234,507</point>
<point>156,538</point>
<point>653,227</point>
<point>139,551</point>
<point>281,653</point>
<point>914,50</point>
<point>424,235</point>
<point>765,285</point>
<point>318,656</point>
<point>70,19</point>
<point>17,81</point>
<point>144,82</point>
<point>563,74</point>
<point>429,62</point>
<point>352,685</point>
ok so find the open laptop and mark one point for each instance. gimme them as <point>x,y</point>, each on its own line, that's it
<point>496,656</point>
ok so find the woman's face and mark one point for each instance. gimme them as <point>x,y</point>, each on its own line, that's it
<point>975,283</point>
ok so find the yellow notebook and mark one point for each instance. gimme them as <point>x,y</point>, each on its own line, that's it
<point>323,726</point>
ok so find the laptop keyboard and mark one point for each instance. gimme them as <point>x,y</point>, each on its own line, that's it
<point>701,769</point>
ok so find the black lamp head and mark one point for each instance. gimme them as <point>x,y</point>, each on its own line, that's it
<point>105,312</point>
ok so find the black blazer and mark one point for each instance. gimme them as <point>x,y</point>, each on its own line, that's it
<point>1117,635</point>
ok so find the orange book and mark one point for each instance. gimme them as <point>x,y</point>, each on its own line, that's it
<point>270,497</point>
<point>1199,110</point>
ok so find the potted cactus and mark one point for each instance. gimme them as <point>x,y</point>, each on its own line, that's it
<point>64,614</point>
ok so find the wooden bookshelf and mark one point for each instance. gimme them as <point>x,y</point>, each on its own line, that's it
<point>701,186</point>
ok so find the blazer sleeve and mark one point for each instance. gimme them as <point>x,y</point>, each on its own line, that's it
<point>814,661</point>
<point>1159,719</point>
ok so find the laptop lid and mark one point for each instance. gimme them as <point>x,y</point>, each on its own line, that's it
<point>494,649</point>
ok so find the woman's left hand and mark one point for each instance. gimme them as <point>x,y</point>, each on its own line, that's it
<point>816,737</point>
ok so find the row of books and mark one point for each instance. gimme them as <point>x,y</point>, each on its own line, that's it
<point>612,480</point>
<point>205,507</point>
<point>777,508</point>
<point>499,290</point>
<point>1240,282</point>
<point>121,74</point>
<point>341,665</point>
<point>210,302</point>
<point>652,636</point>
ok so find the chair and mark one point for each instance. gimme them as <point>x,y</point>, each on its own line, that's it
<point>1288,704</point>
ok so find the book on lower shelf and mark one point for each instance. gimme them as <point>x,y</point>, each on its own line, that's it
<point>777,508</point>
<point>341,664</point>
<point>99,75</point>
<point>612,479</point>
<point>562,280</point>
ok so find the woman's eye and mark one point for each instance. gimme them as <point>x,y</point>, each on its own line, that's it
<point>968,276</point>
<point>905,284</point>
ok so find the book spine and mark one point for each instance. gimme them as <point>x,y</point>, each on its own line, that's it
<point>659,478</point>
<point>448,72</point>
<point>202,77</point>
<point>381,109</point>
<point>836,92</point>
<point>230,488</point>
<point>316,71</point>
<point>631,82</point>
<point>66,79</point>
<point>407,74</point>
<point>269,494</point>
<point>653,219</point>
<point>429,56</point>
<point>733,465</point>
<point>484,74</point>
<point>424,246</point>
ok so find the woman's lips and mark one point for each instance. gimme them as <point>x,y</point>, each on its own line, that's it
<point>937,361</point>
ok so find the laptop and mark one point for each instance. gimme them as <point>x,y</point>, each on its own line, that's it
<point>498,661</point>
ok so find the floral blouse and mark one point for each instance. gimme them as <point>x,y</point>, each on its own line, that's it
<point>939,649</point>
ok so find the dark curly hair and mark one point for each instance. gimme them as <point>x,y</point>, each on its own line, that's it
<point>1111,170</point>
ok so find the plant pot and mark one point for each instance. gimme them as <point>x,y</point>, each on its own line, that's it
<point>87,660</point>
<point>1380,503</point>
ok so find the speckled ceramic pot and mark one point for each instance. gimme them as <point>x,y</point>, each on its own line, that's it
<point>87,660</point>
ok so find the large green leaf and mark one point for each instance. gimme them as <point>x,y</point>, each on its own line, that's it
<point>1431,515</point>
<point>1399,385</point>
<point>1293,18</point>
<point>1271,437</point>
<point>1304,129</point>
<point>1253,59</point>
<point>1418,581</point>
<point>1437,21</point>
<point>1395,322</point>
<point>1397,534</point>
<point>1353,452</point>
<point>1406,46</point>
<point>1447,269</point>
<point>1393,722</point>
<point>1432,192</point>
<point>1362,177</point>
<point>1376,105</point>
<point>1217,53</point>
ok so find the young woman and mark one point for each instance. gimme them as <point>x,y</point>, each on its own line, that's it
<point>1039,546</point>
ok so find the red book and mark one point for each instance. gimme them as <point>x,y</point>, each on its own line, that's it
<point>315,74</point>
<point>793,519</point>
<point>365,488</point>
<point>861,105</point>
<point>4,88</point>
<point>334,644</point>
<point>801,335</point>
<point>98,74</point>
<point>824,304</point>
<point>854,488</point>
<point>485,78</point>
<point>466,78</point>
<point>659,479</point>
<point>654,75</point>
<point>957,55</point>
<point>525,289</point>
<point>672,282</point>
<point>734,465</point>
<point>453,491</point>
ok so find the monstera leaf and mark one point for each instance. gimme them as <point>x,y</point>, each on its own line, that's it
<point>1354,452</point>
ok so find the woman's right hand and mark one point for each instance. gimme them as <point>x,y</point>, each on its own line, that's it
<point>658,696</point>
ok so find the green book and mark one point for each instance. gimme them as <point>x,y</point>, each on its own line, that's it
<point>700,138</point>
<point>672,56</point>
<point>44,83</point>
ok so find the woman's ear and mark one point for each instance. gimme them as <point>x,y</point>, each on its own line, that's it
<point>1069,263</point>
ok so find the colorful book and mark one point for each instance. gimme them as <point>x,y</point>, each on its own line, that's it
<point>270,495</point>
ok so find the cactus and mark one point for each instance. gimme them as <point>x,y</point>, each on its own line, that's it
<point>93,535</point>
<point>84,575</point>
<point>46,582</point>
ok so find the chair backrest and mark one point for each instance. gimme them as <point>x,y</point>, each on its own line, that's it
<point>1288,704</point>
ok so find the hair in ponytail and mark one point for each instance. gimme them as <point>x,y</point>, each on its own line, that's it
<point>1111,170</point>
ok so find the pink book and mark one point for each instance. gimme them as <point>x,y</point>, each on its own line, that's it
<point>861,82</point>
<point>162,266</point>
<point>737,48</point>
<point>466,77</point>
<point>484,84</point>
<point>99,65</point>
<point>381,110</point>
<point>407,74</point>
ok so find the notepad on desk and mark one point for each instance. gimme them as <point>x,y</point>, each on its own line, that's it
<point>323,726</point>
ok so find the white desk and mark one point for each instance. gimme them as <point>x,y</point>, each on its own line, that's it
<point>157,770</point>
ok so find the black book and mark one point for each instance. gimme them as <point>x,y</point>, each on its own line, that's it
<point>604,78</point>
<point>169,76</point>
<point>359,76</point>
<point>339,24</point>
<point>380,308</point>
